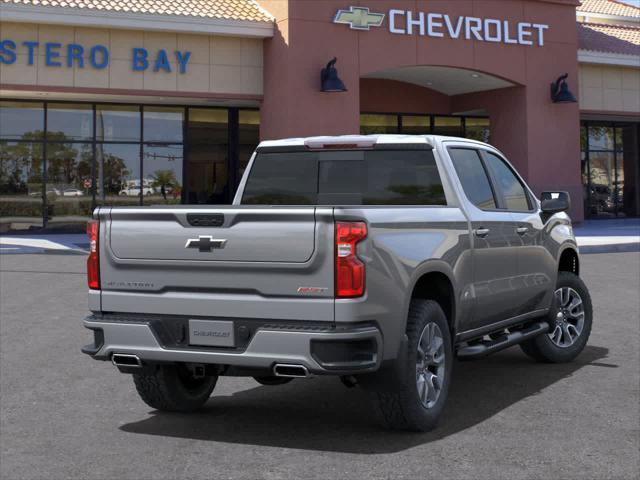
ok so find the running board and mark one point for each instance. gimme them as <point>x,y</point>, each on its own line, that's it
<point>486,347</point>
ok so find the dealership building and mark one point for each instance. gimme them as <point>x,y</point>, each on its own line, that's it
<point>129,102</point>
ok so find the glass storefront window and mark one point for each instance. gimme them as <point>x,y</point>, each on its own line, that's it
<point>207,156</point>
<point>451,126</point>
<point>163,124</point>
<point>118,174</point>
<point>118,123</point>
<point>162,174</point>
<point>416,124</point>
<point>21,120</point>
<point>477,129</point>
<point>602,201</point>
<point>611,170</point>
<point>67,122</point>
<point>109,154</point>
<point>601,138</point>
<point>21,185</point>
<point>380,124</point>
<point>69,170</point>
<point>248,138</point>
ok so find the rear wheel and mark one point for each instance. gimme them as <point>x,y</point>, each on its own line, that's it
<point>418,400</point>
<point>570,323</point>
<point>174,388</point>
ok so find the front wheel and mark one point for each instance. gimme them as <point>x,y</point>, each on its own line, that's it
<point>174,388</point>
<point>418,399</point>
<point>570,323</point>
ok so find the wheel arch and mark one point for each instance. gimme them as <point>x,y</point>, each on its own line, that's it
<point>434,282</point>
<point>569,260</point>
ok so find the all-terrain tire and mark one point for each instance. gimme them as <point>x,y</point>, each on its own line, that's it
<point>543,348</point>
<point>401,407</point>
<point>172,388</point>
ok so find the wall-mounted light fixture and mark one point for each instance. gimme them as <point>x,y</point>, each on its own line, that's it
<point>560,92</point>
<point>329,80</point>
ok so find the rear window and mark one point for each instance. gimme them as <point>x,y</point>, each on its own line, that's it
<point>369,177</point>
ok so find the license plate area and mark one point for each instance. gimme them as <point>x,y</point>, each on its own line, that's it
<point>211,333</point>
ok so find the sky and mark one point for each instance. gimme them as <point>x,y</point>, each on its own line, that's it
<point>635,3</point>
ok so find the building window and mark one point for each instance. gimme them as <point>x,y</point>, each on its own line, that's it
<point>59,160</point>
<point>610,170</point>
<point>477,128</point>
<point>372,123</point>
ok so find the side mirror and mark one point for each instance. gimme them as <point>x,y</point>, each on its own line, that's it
<point>555,202</point>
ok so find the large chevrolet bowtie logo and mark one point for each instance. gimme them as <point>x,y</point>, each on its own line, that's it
<point>359,18</point>
<point>205,243</point>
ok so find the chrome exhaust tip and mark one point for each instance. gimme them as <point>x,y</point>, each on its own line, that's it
<point>126,360</point>
<point>290,371</point>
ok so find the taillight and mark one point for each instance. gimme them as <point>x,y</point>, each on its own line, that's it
<point>349,268</point>
<point>93,262</point>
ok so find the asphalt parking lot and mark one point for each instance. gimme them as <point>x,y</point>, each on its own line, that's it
<point>66,416</point>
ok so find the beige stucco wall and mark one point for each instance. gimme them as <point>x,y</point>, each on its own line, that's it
<point>609,88</point>
<point>218,65</point>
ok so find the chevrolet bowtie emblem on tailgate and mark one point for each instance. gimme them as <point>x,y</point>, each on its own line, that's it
<point>205,243</point>
<point>359,18</point>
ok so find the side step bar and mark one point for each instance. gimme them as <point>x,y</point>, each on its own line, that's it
<point>486,347</point>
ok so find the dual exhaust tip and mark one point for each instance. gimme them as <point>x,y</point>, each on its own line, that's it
<point>290,371</point>
<point>128,360</point>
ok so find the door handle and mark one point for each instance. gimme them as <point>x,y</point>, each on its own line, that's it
<point>481,232</point>
<point>522,230</point>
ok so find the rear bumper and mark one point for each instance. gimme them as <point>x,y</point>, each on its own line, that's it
<point>322,351</point>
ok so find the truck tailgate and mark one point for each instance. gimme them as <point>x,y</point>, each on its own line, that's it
<point>241,262</point>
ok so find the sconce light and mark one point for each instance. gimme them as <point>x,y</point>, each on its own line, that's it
<point>560,92</point>
<point>330,82</point>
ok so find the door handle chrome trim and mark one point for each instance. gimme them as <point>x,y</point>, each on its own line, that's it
<point>522,230</point>
<point>481,232</point>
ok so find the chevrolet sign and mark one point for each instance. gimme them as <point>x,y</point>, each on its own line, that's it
<point>441,25</point>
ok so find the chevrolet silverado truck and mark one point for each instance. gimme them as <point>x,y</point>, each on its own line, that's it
<point>376,259</point>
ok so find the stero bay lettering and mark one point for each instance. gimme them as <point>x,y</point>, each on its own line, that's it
<point>97,56</point>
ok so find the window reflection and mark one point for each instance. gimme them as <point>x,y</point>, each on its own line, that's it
<point>67,122</point>
<point>21,185</point>
<point>416,125</point>
<point>163,124</point>
<point>69,198</point>
<point>118,174</point>
<point>208,156</point>
<point>450,126</point>
<point>21,120</point>
<point>248,138</point>
<point>118,123</point>
<point>162,167</point>
<point>478,129</point>
<point>378,124</point>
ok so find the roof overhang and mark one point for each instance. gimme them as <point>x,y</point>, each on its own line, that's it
<point>134,21</point>
<point>607,58</point>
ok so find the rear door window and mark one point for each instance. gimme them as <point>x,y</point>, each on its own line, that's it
<point>473,177</point>
<point>510,189</point>
<point>384,177</point>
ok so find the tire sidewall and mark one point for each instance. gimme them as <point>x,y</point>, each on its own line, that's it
<point>422,313</point>
<point>550,351</point>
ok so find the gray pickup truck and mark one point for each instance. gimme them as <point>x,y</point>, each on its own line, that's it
<point>376,259</point>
